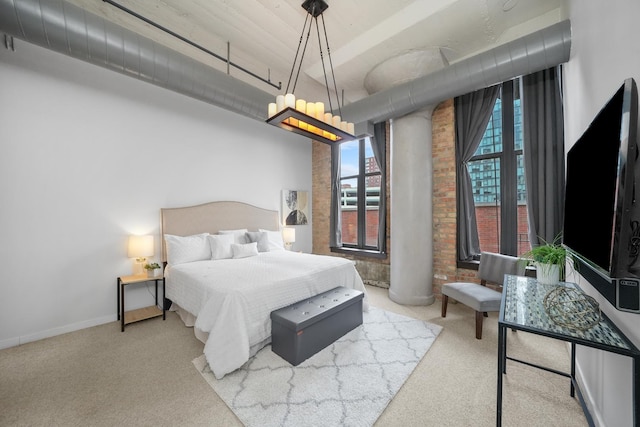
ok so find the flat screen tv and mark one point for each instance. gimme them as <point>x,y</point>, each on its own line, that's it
<point>602,218</point>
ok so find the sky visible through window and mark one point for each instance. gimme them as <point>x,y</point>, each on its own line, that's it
<point>349,156</point>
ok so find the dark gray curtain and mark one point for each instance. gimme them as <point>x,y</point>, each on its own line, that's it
<point>335,220</point>
<point>472,112</point>
<point>543,129</point>
<point>379,147</point>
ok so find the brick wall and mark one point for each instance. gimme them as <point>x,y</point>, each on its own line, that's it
<point>321,196</point>
<point>444,197</point>
<point>350,226</point>
<point>488,221</point>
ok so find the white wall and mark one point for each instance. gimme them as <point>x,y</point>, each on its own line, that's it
<point>605,51</point>
<point>88,157</point>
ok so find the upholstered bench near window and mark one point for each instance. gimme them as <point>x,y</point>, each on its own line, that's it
<point>479,297</point>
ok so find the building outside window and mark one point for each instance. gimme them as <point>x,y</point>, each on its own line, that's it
<point>502,221</point>
<point>360,181</point>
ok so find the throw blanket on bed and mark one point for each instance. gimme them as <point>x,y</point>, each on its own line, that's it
<point>233,298</point>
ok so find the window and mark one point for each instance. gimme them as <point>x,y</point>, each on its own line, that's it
<point>360,189</point>
<point>498,180</point>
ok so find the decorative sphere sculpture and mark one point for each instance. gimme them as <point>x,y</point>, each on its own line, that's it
<point>571,308</point>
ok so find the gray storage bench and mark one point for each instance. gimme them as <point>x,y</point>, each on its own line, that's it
<point>302,329</point>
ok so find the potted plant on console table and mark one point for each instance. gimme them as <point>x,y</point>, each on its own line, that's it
<point>550,260</point>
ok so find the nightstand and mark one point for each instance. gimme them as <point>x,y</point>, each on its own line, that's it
<point>141,313</point>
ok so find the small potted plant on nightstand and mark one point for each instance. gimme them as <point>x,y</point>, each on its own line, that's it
<point>151,269</point>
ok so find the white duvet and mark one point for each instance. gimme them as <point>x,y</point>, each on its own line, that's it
<point>232,299</point>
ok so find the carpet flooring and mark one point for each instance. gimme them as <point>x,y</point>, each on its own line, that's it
<point>102,377</point>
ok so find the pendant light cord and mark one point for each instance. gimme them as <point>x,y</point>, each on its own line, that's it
<point>333,75</point>
<point>295,60</point>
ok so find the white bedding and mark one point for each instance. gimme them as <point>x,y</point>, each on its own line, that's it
<point>232,299</point>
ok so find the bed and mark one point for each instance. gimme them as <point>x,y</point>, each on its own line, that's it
<point>227,269</point>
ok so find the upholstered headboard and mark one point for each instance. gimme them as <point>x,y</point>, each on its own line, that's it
<point>214,216</point>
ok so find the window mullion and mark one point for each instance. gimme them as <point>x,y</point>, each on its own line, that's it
<point>508,179</point>
<point>362,196</point>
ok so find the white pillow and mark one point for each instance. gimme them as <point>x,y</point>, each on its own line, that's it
<point>261,238</point>
<point>182,249</point>
<point>221,245</point>
<point>244,250</point>
<point>239,235</point>
<point>275,240</point>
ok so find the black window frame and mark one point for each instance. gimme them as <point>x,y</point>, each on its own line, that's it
<point>361,248</point>
<point>508,158</point>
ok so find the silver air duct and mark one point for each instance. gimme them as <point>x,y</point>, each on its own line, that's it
<point>68,29</point>
<point>537,51</point>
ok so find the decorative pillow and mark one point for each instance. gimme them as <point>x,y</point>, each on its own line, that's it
<point>239,235</point>
<point>261,238</point>
<point>182,249</point>
<point>244,250</point>
<point>275,240</point>
<point>221,245</point>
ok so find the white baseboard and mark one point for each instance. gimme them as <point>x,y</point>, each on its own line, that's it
<point>16,341</point>
<point>11,342</point>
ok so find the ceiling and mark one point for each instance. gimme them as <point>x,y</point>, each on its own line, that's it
<point>262,35</point>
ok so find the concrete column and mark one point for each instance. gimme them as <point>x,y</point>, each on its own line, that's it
<point>412,209</point>
<point>411,280</point>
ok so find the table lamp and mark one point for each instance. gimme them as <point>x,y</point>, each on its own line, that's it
<point>288,237</point>
<point>140,247</point>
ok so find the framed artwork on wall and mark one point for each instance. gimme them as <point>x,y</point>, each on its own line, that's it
<point>295,207</point>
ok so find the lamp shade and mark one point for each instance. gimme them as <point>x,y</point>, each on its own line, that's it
<point>140,246</point>
<point>289,235</point>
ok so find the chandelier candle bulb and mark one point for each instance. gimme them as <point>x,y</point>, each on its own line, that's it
<point>290,100</point>
<point>328,118</point>
<point>311,109</point>
<point>279,103</point>
<point>272,109</point>
<point>320,110</point>
<point>301,105</point>
<point>336,121</point>
<point>351,128</point>
<point>343,126</point>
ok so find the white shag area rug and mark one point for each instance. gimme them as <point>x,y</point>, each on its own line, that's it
<point>349,383</point>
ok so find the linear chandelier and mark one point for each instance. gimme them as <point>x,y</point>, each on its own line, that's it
<point>304,117</point>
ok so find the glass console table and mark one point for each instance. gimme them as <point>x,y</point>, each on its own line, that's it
<point>522,308</point>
